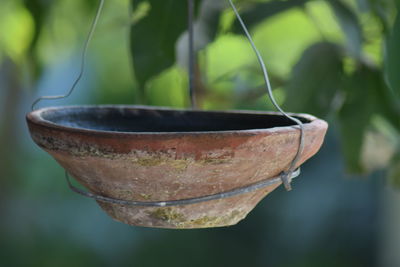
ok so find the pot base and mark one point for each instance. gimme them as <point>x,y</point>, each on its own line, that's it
<point>203,215</point>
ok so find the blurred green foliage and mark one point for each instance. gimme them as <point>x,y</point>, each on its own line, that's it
<point>336,59</point>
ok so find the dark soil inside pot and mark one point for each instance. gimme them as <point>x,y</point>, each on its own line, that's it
<point>126,119</point>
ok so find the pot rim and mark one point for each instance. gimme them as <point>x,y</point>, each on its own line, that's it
<point>35,118</point>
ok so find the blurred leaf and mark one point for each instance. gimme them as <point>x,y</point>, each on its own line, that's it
<point>392,60</point>
<point>362,90</point>
<point>350,25</point>
<point>154,36</point>
<point>387,104</point>
<point>364,5</point>
<point>175,81</point>
<point>90,4</point>
<point>205,29</point>
<point>315,80</point>
<point>209,18</point>
<point>394,172</point>
<point>259,12</point>
<point>39,10</point>
<point>382,9</point>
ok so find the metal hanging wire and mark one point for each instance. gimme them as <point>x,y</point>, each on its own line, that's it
<point>83,60</point>
<point>285,177</point>
<point>192,54</point>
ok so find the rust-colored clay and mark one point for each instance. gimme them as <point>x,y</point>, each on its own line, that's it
<point>132,164</point>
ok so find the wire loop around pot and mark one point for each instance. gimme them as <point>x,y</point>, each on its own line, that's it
<point>188,201</point>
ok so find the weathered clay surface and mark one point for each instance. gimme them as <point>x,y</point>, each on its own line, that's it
<point>166,166</point>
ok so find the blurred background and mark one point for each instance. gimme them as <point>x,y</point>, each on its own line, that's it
<point>337,59</point>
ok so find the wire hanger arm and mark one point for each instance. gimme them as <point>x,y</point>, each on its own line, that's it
<point>286,178</point>
<point>83,60</point>
<point>192,54</point>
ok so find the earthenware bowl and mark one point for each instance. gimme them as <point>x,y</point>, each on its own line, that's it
<point>160,154</point>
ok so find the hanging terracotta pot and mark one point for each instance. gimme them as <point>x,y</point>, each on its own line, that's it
<point>137,153</point>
